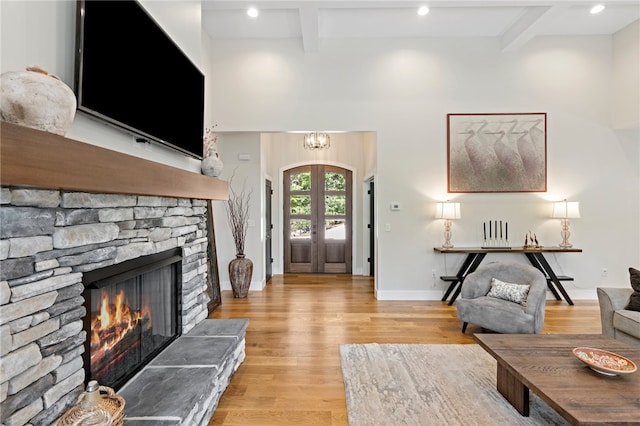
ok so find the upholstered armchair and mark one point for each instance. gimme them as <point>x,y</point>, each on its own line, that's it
<point>618,322</point>
<point>496,297</point>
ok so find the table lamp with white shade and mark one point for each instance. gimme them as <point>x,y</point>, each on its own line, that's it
<point>448,211</point>
<point>565,210</point>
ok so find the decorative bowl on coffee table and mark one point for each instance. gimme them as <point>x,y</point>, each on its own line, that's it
<point>604,362</point>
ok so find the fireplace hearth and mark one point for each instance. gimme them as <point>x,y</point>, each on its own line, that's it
<point>132,315</point>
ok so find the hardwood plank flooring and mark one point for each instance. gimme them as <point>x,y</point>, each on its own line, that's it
<point>291,374</point>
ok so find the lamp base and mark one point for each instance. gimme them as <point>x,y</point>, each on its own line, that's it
<point>447,234</point>
<point>565,244</point>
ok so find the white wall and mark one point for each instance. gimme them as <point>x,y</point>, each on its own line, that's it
<point>243,175</point>
<point>43,33</point>
<point>626,89</point>
<point>626,77</point>
<point>402,91</point>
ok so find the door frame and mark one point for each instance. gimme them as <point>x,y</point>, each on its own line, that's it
<point>369,226</point>
<point>355,214</point>
<point>268,228</point>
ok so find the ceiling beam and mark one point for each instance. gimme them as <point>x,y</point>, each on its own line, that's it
<point>309,28</point>
<point>394,4</point>
<point>526,27</point>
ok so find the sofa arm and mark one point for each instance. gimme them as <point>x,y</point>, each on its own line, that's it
<point>610,300</point>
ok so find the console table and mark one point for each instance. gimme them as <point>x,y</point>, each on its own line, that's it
<point>475,256</point>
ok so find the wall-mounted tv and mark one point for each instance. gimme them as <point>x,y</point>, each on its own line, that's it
<point>129,73</point>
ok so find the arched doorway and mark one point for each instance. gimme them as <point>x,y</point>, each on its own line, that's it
<point>317,219</point>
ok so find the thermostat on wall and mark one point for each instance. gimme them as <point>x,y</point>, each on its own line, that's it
<point>395,206</point>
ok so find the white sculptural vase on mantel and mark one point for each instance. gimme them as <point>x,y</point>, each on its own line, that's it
<point>34,98</point>
<point>212,164</point>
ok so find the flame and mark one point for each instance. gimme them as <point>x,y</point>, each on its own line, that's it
<point>114,320</point>
<point>104,312</point>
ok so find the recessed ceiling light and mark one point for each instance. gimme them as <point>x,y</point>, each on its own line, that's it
<point>596,9</point>
<point>252,12</point>
<point>423,10</point>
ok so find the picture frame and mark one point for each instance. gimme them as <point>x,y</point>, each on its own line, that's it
<point>213,276</point>
<point>497,152</point>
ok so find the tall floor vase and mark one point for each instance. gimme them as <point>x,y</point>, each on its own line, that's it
<point>240,273</point>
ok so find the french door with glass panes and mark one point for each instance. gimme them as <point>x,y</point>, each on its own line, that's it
<point>317,219</point>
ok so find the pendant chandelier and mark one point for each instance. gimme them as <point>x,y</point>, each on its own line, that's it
<point>317,140</point>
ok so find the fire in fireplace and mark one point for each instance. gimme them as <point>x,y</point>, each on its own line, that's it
<point>132,314</point>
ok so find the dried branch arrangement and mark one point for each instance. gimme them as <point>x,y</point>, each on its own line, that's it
<point>238,214</point>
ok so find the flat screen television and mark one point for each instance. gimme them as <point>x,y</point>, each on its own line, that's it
<point>129,73</point>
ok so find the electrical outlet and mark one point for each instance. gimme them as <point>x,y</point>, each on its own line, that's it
<point>433,273</point>
<point>604,272</point>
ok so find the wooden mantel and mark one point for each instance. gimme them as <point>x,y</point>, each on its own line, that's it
<point>34,158</point>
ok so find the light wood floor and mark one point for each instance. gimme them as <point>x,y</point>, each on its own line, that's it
<point>291,374</point>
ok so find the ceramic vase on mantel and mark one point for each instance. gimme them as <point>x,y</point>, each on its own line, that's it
<point>34,98</point>
<point>240,273</point>
<point>212,164</point>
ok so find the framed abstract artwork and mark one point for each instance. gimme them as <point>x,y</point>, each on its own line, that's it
<point>498,152</point>
<point>213,276</point>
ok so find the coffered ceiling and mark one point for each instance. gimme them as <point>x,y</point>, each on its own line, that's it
<point>513,22</point>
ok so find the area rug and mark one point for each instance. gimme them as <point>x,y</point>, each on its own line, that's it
<point>387,384</point>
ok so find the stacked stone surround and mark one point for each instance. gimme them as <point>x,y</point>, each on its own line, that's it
<point>48,239</point>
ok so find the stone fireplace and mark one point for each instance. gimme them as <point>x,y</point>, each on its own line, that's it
<point>53,240</point>
<point>67,210</point>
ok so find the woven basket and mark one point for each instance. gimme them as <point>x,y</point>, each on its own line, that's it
<point>110,411</point>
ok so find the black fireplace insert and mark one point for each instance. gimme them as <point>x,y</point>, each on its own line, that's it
<point>133,313</point>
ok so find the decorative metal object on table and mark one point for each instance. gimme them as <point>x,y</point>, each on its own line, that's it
<point>95,408</point>
<point>531,242</point>
<point>497,239</point>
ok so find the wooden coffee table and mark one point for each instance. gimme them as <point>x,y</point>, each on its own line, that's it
<point>545,365</point>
